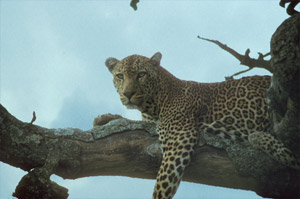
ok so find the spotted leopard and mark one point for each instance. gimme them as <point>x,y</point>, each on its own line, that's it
<point>233,109</point>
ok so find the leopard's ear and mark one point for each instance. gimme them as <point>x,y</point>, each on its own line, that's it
<point>111,63</point>
<point>155,59</point>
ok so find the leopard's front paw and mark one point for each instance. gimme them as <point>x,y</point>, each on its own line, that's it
<point>104,119</point>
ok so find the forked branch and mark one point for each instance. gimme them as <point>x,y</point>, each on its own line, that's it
<point>244,59</point>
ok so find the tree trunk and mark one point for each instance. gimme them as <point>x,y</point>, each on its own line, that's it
<point>130,148</point>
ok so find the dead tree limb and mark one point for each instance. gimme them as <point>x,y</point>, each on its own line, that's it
<point>244,59</point>
<point>124,148</point>
<point>121,147</point>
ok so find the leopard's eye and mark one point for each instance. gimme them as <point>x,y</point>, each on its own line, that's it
<point>141,74</point>
<point>120,76</point>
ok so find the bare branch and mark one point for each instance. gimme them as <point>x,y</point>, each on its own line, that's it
<point>121,147</point>
<point>238,73</point>
<point>133,4</point>
<point>33,117</point>
<point>291,8</point>
<point>244,59</point>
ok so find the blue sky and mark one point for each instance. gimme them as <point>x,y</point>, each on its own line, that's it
<point>52,56</point>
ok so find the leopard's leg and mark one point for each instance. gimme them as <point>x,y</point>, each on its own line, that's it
<point>259,140</point>
<point>178,148</point>
<point>147,118</point>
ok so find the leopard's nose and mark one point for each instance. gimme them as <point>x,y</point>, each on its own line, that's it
<point>129,94</point>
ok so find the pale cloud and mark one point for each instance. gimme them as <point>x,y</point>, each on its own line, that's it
<point>45,75</point>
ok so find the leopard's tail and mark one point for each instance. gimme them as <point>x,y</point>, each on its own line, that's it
<point>274,148</point>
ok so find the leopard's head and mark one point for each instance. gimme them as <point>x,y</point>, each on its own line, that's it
<point>136,79</point>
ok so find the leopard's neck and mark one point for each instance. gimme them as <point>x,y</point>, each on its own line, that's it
<point>167,85</point>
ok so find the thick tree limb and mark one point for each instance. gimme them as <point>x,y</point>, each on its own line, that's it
<point>124,148</point>
<point>244,59</point>
<point>121,148</point>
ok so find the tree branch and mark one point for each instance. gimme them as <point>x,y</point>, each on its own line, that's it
<point>291,8</point>
<point>133,4</point>
<point>244,59</point>
<point>120,147</point>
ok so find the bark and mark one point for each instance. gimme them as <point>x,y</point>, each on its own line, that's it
<point>131,148</point>
<point>283,94</point>
<point>120,147</point>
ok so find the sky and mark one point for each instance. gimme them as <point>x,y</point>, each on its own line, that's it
<point>52,56</point>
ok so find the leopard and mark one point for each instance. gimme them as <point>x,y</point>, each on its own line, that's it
<point>234,110</point>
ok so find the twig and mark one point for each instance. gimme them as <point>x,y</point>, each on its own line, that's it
<point>244,59</point>
<point>133,4</point>
<point>33,118</point>
<point>238,73</point>
<point>291,8</point>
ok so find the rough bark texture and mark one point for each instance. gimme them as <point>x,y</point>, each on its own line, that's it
<point>283,95</point>
<point>284,92</point>
<point>130,148</point>
<point>120,147</point>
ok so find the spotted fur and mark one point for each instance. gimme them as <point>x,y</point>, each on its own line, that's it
<point>233,109</point>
